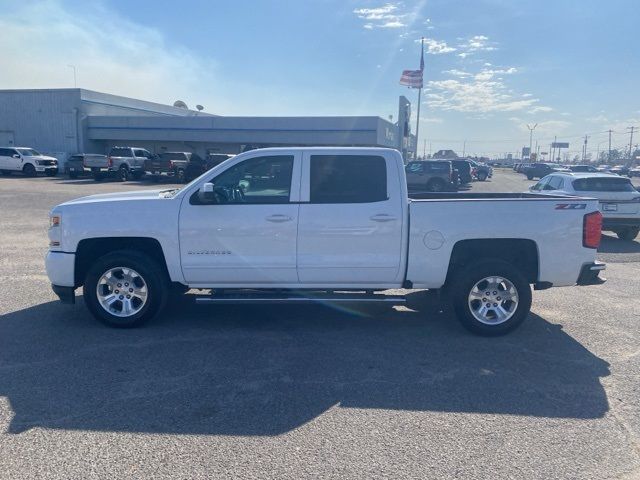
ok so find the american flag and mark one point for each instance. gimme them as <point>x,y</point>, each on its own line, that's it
<point>413,78</point>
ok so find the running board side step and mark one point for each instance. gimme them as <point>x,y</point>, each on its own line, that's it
<point>320,298</point>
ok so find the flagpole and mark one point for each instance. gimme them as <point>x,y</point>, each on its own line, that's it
<point>415,155</point>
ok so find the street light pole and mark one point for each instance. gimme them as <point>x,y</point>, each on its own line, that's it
<point>531,129</point>
<point>75,80</point>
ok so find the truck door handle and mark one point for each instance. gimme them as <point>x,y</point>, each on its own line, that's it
<point>279,218</point>
<point>383,217</point>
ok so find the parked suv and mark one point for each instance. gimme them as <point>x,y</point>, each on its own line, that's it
<point>28,161</point>
<point>619,201</point>
<point>122,162</point>
<point>429,176</point>
<point>539,170</point>
<point>464,170</point>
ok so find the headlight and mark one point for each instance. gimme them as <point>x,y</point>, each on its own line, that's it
<point>54,221</point>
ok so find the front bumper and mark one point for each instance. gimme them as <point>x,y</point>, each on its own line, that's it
<point>60,268</point>
<point>590,274</point>
<point>46,168</point>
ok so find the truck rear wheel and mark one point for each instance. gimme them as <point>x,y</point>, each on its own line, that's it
<point>125,289</point>
<point>123,173</point>
<point>491,297</point>
<point>482,176</point>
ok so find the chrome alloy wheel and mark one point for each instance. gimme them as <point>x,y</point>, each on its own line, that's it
<point>122,291</point>
<point>493,300</point>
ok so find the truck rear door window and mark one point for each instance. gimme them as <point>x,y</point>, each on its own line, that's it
<point>348,179</point>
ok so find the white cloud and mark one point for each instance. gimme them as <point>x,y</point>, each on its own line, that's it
<point>541,109</point>
<point>475,95</point>
<point>111,53</point>
<point>385,16</point>
<point>476,43</point>
<point>431,120</point>
<point>481,92</point>
<point>437,47</point>
<point>458,73</point>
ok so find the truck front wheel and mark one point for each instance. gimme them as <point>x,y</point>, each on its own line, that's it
<point>125,289</point>
<point>490,298</point>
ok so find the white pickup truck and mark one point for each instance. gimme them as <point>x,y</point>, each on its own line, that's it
<point>319,224</point>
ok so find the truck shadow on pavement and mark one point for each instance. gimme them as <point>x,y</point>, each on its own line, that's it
<point>612,244</point>
<point>270,369</point>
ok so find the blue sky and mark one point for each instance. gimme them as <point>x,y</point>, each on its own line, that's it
<point>491,66</point>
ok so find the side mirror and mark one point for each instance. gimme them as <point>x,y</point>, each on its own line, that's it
<point>532,188</point>
<point>15,155</point>
<point>207,193</point>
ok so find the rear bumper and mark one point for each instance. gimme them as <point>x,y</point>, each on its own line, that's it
<point>65,294</point>
<point>590,274</point>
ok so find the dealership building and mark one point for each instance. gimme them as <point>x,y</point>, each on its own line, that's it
<point>66,121</point>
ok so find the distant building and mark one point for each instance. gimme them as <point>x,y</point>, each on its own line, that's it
<point>66,121</point>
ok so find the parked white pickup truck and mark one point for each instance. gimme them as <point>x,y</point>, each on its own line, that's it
<point>319,224</point>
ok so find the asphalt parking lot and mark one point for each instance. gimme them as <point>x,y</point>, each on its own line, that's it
<point>294,392</point>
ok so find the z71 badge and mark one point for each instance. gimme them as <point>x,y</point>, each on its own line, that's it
<point>571,206</point>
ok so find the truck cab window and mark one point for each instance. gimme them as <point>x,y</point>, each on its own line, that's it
<point>348,179</point>
<point>261,180</point>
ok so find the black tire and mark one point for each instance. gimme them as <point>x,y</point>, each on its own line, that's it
<point>51,173</point>
<point>629,233</point>
<point>482,176</point>
<point>436,185</point>
<point>29,170</point>
<point>155,178</point>
<point>529,177</point>
<point>73,175</point>
<point>151,272</point>
<point>137,175</point>
<point>97,174</point>
<point>123,173</point>
<point>463,282</point>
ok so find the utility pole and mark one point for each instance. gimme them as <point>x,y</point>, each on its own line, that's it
<point>630,141</point>
<point>424,150</point>
<point>584,149</point>
<point>531,129</point>
<point>609,155</point>
<point>464,148</point>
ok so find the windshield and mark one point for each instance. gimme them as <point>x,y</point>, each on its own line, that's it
<point>29,152</point>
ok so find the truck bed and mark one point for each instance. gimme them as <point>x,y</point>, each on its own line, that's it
<point>481,196</point>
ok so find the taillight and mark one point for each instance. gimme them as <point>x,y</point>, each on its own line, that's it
<point>592,230</point>
<point>109,162</point>
<point>170,163</point>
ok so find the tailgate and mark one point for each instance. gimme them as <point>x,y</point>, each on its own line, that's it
<point>157,165</point>
<point>95,162</point>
